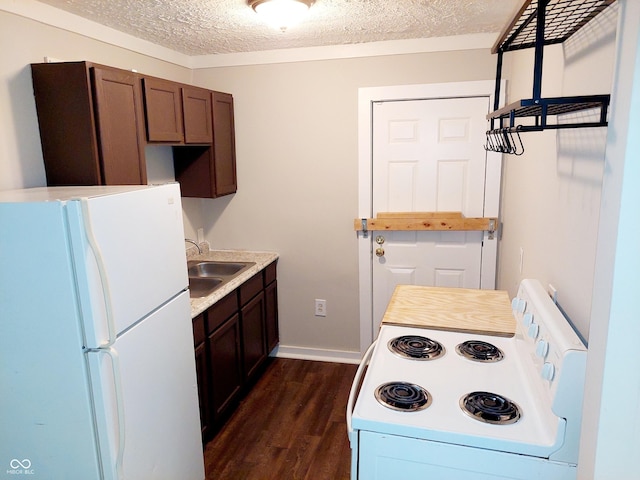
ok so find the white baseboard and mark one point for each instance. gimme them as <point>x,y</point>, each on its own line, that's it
<point>305,353</point>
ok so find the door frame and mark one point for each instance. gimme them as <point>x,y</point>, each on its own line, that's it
<point>366,98</point>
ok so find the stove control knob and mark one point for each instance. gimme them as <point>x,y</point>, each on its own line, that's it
<point>542,348</point>
<point>527,319</point>
<point>518,304</point>
<point>548,371</point>
<point>534,328</point>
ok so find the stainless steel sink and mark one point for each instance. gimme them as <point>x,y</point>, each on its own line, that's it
<point>216,269</point>
<point>201,287</point>
<point>206,276</point>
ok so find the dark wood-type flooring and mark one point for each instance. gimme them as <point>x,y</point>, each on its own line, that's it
<point>290,426</point>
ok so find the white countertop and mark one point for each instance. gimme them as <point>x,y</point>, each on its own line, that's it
<point>261,259</point>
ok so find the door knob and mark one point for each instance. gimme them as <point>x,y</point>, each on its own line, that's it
<point>379,252</point>
<point>379,239</point>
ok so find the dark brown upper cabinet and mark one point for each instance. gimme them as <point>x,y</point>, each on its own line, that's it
<point>91,124</point>
<point>163,106</point>
<point>95,122</point>
<point>209,172</point>
<point>224,144</point>
<point>196,109</point>
<point>177,114</point>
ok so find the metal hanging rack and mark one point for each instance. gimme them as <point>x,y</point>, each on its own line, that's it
<point>503,140</point>
<point>536,24</point>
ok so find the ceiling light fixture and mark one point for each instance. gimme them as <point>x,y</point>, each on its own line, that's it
<point>281,14</point>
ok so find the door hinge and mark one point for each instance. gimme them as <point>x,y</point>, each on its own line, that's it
<point>365,232</point>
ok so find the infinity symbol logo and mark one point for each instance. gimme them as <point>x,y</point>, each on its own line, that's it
<point>15,463</point>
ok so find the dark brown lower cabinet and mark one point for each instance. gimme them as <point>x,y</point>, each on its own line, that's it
<point>199,342</point>
<point>254,348</point>
<point>232,341</point>
<point>252,316</point>
<point>203,387</point>
<point>271,315</point>
<point>225,372</point>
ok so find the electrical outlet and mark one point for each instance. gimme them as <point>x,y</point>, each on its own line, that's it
<point>321,308</point>
<point>553,293</point>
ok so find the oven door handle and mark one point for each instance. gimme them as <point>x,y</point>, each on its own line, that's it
<point>354,389</point>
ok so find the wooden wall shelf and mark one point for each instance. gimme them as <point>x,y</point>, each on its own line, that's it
<point>424,221</point>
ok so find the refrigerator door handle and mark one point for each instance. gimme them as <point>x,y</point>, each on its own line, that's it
<point>115,367</point>
<point>102,272</point>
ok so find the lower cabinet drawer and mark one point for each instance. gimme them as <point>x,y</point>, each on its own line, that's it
<point>251,288</point>
<point>221,311</point>
<point>270,273</point>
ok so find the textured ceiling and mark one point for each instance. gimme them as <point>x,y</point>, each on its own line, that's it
<point>205,27</point>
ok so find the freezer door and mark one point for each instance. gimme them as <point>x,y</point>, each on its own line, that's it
<point>156,419</point>
<point>129,254</point>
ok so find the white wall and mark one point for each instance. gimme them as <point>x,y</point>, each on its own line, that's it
<point>296,137</point>
<point>296,134</point>
<point>551,194</point>
<point>611,424</point>
<point>296,127</point>
<point>297,169</point>
<point>23,42</point>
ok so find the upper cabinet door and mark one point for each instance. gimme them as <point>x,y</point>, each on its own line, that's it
<point>224,144</point>
<point>163,105</point>
<point>119,124</point>
<point>91,124</point>
<point>64,103</point>
<point>196,106</point>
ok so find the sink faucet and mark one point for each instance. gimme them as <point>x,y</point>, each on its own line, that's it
<point>195,243</point>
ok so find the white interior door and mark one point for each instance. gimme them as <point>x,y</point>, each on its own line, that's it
<point>427,156</point>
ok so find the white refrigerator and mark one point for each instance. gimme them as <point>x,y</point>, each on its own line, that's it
<point>97,368</point>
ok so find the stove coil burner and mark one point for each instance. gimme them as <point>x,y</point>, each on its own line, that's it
<point>490,408</point>
<point>402,396</point>
<point>416,347</point>
<point>480,351</point>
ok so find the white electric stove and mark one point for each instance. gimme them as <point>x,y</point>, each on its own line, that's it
<point>449,405</point>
